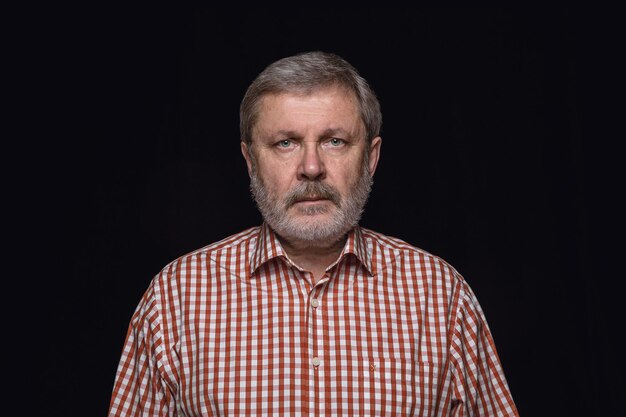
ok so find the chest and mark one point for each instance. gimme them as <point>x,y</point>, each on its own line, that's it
<point>288,348</point>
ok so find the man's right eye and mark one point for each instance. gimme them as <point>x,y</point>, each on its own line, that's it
<point>284,143</point>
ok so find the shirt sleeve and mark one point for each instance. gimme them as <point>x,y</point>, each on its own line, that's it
<point>479,384</point>
<point>140,388</point>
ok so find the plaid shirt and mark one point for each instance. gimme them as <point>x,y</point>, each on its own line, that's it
<point>236,328</point>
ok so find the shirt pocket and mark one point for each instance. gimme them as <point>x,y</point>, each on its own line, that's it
<point>389,386</point>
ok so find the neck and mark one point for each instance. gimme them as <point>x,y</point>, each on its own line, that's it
<point>314,257</point>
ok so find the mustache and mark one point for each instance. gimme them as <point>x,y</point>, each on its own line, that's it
<point>316,189</point>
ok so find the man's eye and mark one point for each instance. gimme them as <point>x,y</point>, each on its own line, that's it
<point>336,142</point>
<point>284,143</point>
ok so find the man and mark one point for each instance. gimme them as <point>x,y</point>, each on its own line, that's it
<point>310,314</point>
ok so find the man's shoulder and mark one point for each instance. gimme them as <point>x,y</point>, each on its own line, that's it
<point>393,243</point>
<point>396,250</point>
<point>233,243</point>
<point>242,238</point>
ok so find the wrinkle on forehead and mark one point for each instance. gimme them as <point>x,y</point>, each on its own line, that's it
<point>329,111</point>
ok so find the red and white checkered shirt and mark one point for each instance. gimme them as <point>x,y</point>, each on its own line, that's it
<point>236,328</point>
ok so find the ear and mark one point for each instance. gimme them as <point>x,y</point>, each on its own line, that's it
<point>374,154</point>
<point>245,151</point>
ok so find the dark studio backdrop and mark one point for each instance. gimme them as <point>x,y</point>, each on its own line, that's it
<point>491,159</point>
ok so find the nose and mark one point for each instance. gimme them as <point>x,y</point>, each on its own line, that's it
<point>311,166</point>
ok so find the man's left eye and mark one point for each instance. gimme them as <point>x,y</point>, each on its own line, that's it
<point>336,142</point>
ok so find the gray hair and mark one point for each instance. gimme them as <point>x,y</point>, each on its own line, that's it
<point>302,74</point>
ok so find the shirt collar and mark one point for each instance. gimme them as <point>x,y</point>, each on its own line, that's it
<point>268,247</point>
<point>356,245</point>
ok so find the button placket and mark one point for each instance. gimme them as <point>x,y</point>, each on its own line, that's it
<point>316,328</point>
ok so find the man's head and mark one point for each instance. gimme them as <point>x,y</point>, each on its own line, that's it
<point>309,130</point>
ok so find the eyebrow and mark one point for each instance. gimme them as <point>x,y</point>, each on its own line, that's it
<point>326,133</point>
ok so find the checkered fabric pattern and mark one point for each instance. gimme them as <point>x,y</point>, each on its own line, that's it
<point>236,329</point>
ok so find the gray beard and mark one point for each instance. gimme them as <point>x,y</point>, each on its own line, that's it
<point>314,232</point>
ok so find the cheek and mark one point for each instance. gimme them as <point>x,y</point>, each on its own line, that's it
<point>346,174</point>
<point>275,180</point>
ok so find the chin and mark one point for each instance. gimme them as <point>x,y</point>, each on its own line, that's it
<point>313,228</point>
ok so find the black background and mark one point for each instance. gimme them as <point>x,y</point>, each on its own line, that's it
<point>496,157</point>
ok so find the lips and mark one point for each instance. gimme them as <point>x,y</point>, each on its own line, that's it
<point>311,198</point>
<point>312,192</point>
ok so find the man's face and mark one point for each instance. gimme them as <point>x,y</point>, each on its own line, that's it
<point>310,164</point>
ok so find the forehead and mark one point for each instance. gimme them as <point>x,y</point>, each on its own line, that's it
<point>332,106</point>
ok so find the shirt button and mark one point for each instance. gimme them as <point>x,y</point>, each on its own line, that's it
<point>315,303</point>
<point>316,361</point>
